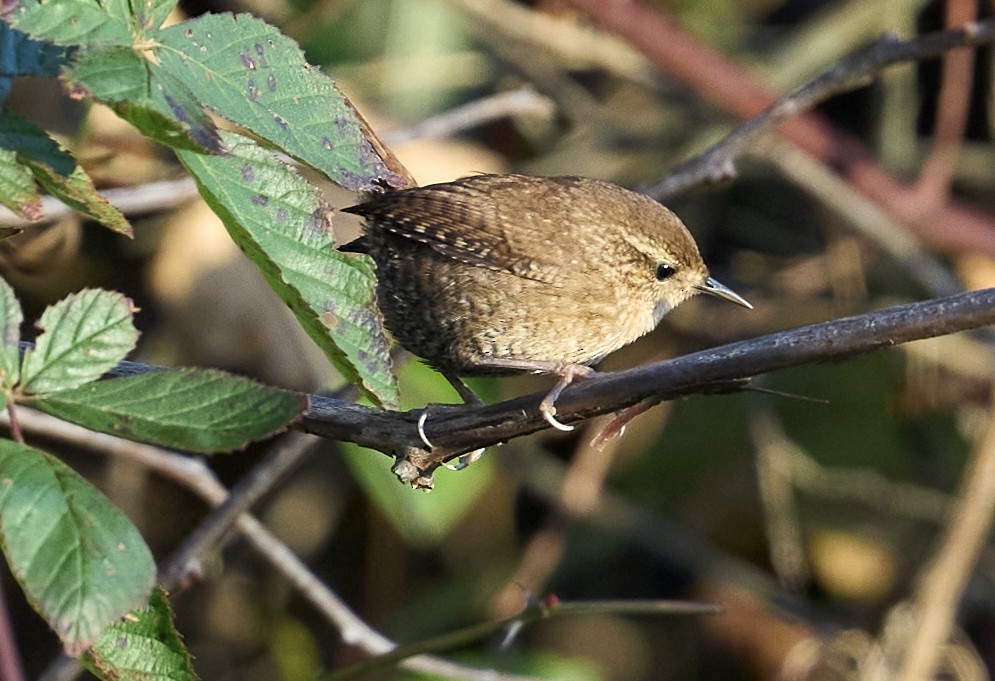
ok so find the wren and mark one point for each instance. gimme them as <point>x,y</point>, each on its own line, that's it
<point>496,274</point>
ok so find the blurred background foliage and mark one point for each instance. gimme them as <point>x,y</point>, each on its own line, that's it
<point>824,496</point>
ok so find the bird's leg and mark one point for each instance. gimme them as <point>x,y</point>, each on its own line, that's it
<point>568,372</point>
<point>469,398</point>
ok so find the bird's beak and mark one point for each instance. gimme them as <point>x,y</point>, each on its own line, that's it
<point>713,287</point>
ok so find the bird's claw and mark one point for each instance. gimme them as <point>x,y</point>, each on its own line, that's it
<point>548,411</point>
<point>421,429</point>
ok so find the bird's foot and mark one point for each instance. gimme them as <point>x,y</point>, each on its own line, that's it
<point>568,373</point>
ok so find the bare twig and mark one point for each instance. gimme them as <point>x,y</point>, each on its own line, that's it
<point>186,561</point>
<point>15,426</point>
<point>952,108</point>
<point>567,40</point>
<point>579,495</point>
<point>944,581</point>
<point>524,101</point>
<point>474,633</point>
<point>773,463</point>
<point>463,429</point>
<point>10,660</point>
<point>864,215</point>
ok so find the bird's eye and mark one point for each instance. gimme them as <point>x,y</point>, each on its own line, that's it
<point>664,271</point>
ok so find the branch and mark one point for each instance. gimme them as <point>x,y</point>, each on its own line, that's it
<point>456,430</point>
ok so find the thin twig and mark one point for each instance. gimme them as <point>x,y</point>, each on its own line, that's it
<point>579,495</point>
<point>944,581</point>
<point>865,216</point>
<point>772,451</point>
<point>477,632</point>
<point>186,561</point>
<point>564,39</point>
<point>10,660</point>
<point>524,101</point>
<point>952,109</point>
<point>733,88</point>
<point>15,426</point>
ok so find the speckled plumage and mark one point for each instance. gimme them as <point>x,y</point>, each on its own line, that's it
<point>492,268</point>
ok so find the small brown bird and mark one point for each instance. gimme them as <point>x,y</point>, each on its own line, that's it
<point>496,274</point>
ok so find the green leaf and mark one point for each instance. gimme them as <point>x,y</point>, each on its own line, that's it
<point>111,74</point>
<point>77,192</point>
<point>247,71</point>
<point>18,190</point>
<point>20,55</point>
<point>85,335</point>
<point>149,14</point>
<point>10,335</point>
<point>55,169</point>
<point>194,410</point>
<point>32,144</point>
<point>80,561</point>
<point>76,22</point>
<point>143,647</point>
<point>279,221</point>
<point>142,93</point>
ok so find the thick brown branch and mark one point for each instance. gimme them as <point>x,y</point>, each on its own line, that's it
<point>457,430</point>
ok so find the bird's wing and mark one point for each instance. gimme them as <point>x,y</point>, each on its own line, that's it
<point>464,220</point>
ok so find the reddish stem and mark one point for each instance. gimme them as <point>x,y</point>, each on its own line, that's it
<point>953,102</point>
<point>15,425</point>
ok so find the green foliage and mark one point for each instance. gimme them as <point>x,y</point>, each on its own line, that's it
<point>20,55</point>
<point>11,317</point>
<point>27,154</point>
<point>142,647</point>
<point>167,82</point>
<point>85,335</point>
<point>197,411</point>
<point>279,220</point>
<point>80,561</point>
<point>245,70</point>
